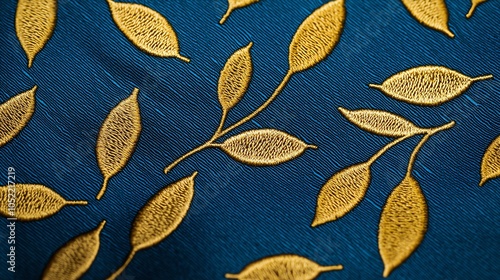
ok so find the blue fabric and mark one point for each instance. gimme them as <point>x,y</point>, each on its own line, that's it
<point>242,213</point>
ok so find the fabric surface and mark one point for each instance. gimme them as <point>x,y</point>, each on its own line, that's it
<point>242,213</point>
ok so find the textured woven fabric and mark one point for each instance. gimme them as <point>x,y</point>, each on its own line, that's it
<point>242,213</point>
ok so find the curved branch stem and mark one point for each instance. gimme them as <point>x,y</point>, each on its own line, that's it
<point>387,147</point>
<point>221,132</point>
<point>429,133</point>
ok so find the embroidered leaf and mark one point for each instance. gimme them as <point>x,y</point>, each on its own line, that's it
<point>403,224</point>
<point>235,78</point>
<point>317,36</point>
<point>74,259</point>
<point>381,122</point>
<point>161,215</point>
<point>431,13</point>
<point>15,114</point>
<point>235,4</point>
<point>35,22</point>
<point>118,137</point>
<point>32,202</point>
<point>146,29</point>
<point>264,147</point>
<point>282,267</point>
<point>474,4</point>
<point>341,193</point>
<point>427,85</point>
<point>490,165</point>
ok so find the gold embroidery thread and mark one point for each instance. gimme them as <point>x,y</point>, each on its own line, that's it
<point>233,5</point>
<point>118,138</point>
<point>314,40</point>
<point>33,202</point>
<point>35,23</point>
<point>285,266</point>
<point>431,13</point>
<point>474,4</point>
<point>159,217</point>
<point>490,164</point>
<point>427,85</point>
<point>15,114</point>
<point>73,259</point>
<point>147,29</point>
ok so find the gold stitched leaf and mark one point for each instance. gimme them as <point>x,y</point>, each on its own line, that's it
<point>281,267</point>
<point>431,13</point>
<point>341,193</point>
<point>427,85</point>
<point>490,165</point>
<point>15,114</point>
<point>31,202</point>
<point>235,4</point>
<point>161,215</point>
<point>474,4</point>
<point>118,137</point>
<point>72,260</point>
<point>381,122</point>
<point>264,147</point>
<point>403,224</point>
<point>35,22</point>
<point>317,36</point>
<point>235,78</point>
<point>146,29</point>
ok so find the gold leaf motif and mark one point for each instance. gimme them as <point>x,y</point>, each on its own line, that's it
<point>317,36</point>
<point>490,165</point>
<point>161,215</point>
<point>264,147</point>
<point>474,4</point>
<point>282,267</point>
<point>341,193</point>
<point>233,5</point>
<point>72,260</point>
<point>427,85</point>
<point>32,202</point>
<point>118,137</point>
<point>403,224</point>
<point>15,114</point>
<point>35,22</point>
<point>146,29</point>
<point>381,122</point>
<point>235,78</point>
<point>431,13</point>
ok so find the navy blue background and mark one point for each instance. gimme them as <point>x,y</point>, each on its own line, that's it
<point>242,213</point>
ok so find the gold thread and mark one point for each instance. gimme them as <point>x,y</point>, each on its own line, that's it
<point>73,259</point>
<point>147,29</point>
<point>159,217</point>
<point>33,202</point>
<point>431,13</point>
<point>474,4</point>
<point>403,224</point>
<point>308,39</point>
<point>35,23</point>
<point>235,78</point>
<point>118,138</point>
<point>286,266</point>
<point>427,85</point>
<point>15,114</point>
<point>381,122</point>
<point>233,5</point>
<point>317,36</point>
<point>264,147</point>
<point>490,164</point>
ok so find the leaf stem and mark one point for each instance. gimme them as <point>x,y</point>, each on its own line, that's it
<point>103,188</point>
<point>76,202</point>
<point>231,276</point>
<point>221,132</point>
<point>429,133</point>
<point>387,147</point>
<point>482,78</point>
<point>331,268</point>
<point>124,265</point>
<point>225,16</point>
